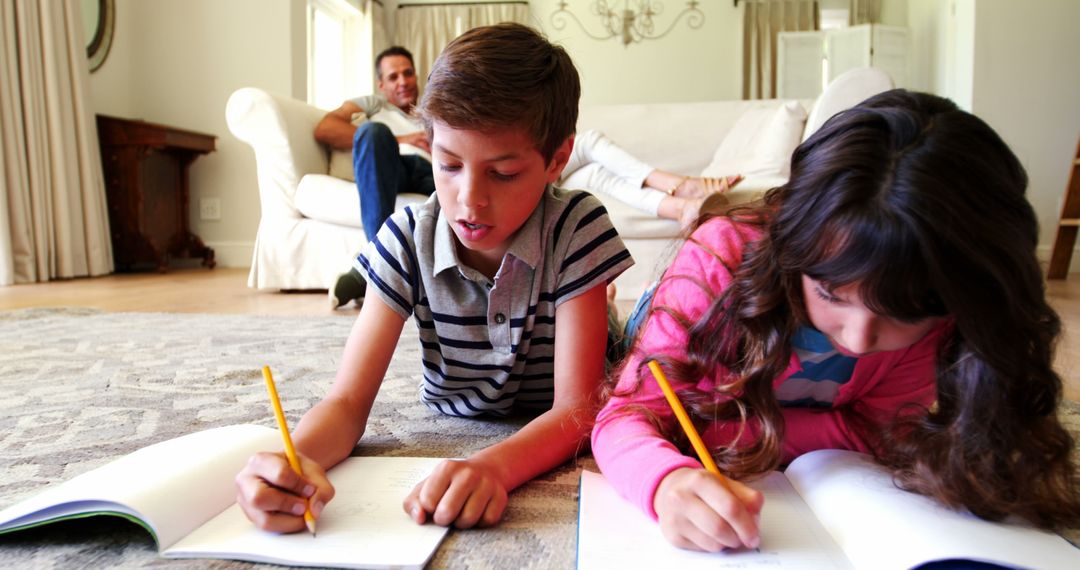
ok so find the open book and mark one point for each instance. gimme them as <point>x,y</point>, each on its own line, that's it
<point>183,492</point>
<point>830,509</point>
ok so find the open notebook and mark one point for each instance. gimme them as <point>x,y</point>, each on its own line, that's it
<point>829,509</point>
<point>183,491</point>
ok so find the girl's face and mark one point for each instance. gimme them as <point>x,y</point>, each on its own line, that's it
<point>852,328</point>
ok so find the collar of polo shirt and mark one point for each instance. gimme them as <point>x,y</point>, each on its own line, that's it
<point>525,245</point>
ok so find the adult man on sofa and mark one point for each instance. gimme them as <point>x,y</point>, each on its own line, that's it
<point>391,151</point>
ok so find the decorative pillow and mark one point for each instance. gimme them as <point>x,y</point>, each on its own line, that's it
<point>760,143</point>
<point>849,89</point>
<point>341,165</point>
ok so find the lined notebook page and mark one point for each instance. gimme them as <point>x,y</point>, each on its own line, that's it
<point>612,533</point>
<point>364,526</point>
<point>882,527</point>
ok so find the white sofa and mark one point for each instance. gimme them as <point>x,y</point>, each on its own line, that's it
<point>310,227</point>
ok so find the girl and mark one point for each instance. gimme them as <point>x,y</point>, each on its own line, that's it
<point>887,299</point>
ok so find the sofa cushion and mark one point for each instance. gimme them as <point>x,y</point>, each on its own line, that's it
<point>760,144</point>
<point>328,199</point>
<point>782,135</point>
<point>677,137</point>
<point>341,165</point>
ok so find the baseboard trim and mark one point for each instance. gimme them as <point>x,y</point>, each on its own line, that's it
<point>232,253</point>
<point>1042,252</point>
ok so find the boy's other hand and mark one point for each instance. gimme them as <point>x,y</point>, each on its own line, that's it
<point>696,512</point>
<point>465,493</point>
<point>274,497</point>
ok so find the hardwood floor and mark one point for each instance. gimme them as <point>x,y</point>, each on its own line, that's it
<point>197,290</point>
<point>224,290</point>
<point>1064,296</point>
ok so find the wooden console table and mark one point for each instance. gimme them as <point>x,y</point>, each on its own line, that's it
<point>146,182</point>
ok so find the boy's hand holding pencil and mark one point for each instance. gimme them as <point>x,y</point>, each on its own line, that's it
<point>282,492</point>
<point>703,510</point>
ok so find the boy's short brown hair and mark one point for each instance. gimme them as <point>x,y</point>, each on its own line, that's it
<point>507,75</point>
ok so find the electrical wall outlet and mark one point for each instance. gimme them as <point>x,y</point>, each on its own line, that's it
<point>210,208</point>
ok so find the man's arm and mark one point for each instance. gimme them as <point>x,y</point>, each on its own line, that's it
<point>336,128</point>
<point>337,131</point>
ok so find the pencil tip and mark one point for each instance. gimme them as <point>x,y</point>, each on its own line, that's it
<point>311,528</point>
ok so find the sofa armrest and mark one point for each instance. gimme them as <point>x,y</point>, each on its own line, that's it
<point>281,131</point>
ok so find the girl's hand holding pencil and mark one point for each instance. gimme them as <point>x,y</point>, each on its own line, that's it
<point>697,512</point>
<point>701,509</point>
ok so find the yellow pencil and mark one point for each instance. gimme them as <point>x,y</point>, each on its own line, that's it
<point>688,427</point>
<point>290,451</point>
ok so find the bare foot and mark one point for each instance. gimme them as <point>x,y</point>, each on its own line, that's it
<point>690,212</point>
<point>712,204</point>
<point>697,187</point>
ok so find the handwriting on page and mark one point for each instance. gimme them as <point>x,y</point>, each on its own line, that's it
<point>406,479</point>
<point>354,501</point>
<point>364,511</point>
<point>613,534</point>
<point>364,524</point>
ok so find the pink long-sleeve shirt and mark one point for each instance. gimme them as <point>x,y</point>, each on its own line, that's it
<point>635,457</point>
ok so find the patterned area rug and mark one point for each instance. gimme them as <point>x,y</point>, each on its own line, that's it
<point>79,388</point>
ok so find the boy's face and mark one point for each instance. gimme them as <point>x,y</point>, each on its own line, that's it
<point>488,184</point>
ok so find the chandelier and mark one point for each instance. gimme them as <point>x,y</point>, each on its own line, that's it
<point>630,20</point>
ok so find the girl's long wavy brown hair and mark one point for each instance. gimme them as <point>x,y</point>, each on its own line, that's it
<point>923,206</point>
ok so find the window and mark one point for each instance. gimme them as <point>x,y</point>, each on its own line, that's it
<point>338,66</point>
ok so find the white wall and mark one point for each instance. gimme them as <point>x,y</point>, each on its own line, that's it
<point>942,48</point>
<point>894,12</point>
<point>176,63</point>
<point>686,65</point>
<point>1007,63</point>
<point>1027,88</point>
<point>110,84</point>
<point>959,69</point>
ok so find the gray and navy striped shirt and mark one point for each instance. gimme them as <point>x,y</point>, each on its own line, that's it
<point>824,370</point>
<point>489,345</point>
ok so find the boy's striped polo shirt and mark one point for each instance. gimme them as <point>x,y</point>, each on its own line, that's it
<point>489,345</point>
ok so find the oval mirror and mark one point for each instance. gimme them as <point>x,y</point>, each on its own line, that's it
<point>99,20</point>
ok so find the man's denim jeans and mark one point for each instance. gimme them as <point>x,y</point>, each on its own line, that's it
<point>382,173</point>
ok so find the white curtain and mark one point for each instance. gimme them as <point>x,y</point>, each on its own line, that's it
<point>53,216</point>
<point>426,29</point>
<point>865,12</point>
<point>762,21</point>
<point>377,12</point>
<point>497,12</point>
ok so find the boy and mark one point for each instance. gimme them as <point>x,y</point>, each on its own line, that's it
<point>487,267</point>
